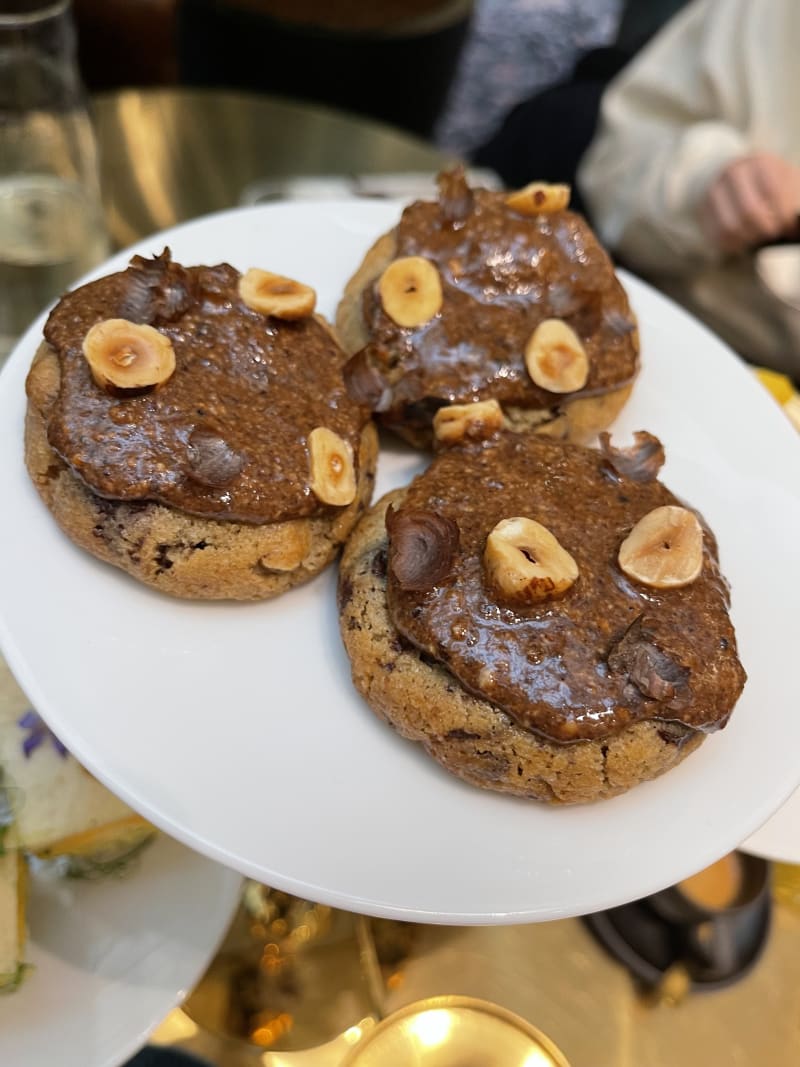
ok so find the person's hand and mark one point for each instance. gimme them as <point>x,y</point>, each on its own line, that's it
<point>752,200</point>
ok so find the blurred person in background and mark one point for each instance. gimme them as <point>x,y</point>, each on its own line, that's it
<point>514,50</point>
<point>696,164</point>
<point>525,100</point>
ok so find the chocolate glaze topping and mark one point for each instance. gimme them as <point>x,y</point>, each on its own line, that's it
<point>607,653</point>
<point>502,273</point>
<point>226,436</point>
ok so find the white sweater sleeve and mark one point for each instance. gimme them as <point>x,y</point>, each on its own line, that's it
<point>669,124</point>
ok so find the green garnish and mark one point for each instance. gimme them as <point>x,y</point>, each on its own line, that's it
<point>10,983</point>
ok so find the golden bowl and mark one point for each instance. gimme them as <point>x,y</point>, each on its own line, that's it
<point>453,1031</point>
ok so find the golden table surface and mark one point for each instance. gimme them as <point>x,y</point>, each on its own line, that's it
<point>168,155</point>
<point>171,155</point>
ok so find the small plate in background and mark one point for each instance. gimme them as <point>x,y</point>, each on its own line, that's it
<point>110,958</point>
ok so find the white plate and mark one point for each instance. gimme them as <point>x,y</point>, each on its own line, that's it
<point>111,958</point>
<point>235,726</point>
<point>779,838</point>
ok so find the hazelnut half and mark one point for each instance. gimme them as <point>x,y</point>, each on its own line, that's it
<point>664,549</point>
<point>333,476</point>
<point>128,355</point>
<point>555,357</point>
<point>467,422</point>
<point>525,562</point>
<point>273,294</point>
<point>411,291</point>
<point>539,198</point>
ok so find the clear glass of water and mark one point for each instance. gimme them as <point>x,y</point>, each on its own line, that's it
<point>51,220</point>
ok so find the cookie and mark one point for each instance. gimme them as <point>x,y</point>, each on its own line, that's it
<point>238,476</point>
<point>481,296</point>
<point>568,684</point>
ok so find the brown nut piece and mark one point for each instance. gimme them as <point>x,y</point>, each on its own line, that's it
<point>467,422</point>
<point>539,198</point>
<point>333,476</point>
<point>525,562</point>
<point>128,355</point>
<point>555,357</point>
<point>273,294</point>
<point>664,549</point>
<point>411,291</point>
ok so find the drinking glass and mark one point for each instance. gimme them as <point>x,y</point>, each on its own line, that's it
<point>51,222</point>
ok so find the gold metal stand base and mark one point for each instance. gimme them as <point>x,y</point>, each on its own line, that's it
<point>348,972</point>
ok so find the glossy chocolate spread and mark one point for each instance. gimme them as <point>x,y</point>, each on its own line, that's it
<point>607,653</point>
<point>502,273</point>
<point>226,436</point>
